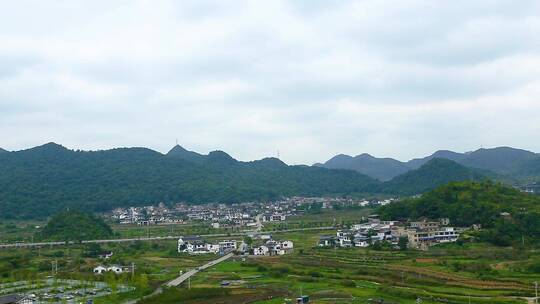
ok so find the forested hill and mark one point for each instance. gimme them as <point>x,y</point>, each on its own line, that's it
<point>505,213</point>
<point>75,226</point>
<point>507,161</point>
<point>44,180</point>
<point>41,181</point>
<point>434,173</point>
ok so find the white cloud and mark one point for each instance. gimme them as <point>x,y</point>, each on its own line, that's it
<point>308,78</point>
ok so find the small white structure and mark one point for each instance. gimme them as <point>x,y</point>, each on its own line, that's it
<point>116,269</point>
<point>99,270</point>
<point>261,250</point>
<point>287,245</point>
<point>227,245</point>
<point>106,255</point>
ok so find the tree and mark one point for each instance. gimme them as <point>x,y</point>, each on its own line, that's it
<point>248,240</point>
<point>403,242</point>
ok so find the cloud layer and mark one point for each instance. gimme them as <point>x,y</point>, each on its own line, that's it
<point>308,78</point>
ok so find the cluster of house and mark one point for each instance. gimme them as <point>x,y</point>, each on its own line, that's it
<point>533,187</point>
<point>196,245</point>
<point>420,234</point>
<point>230,215</point>
<point>274,217</point>
<point>114,268</point>
<point>148,215</point>
<point>273,247</point>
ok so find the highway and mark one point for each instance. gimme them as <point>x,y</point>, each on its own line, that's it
<point>157,238</point>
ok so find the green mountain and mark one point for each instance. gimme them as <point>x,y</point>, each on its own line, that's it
<point>431,175</point>
<point>467,203</point>
<point>529,168</point>
<point>380,168</point>
<point>75,226</point>
<point>44,180</point>
<point>179,152</point>
<point>446,154</point>
<point>511,162</point>
<point>502,160</point>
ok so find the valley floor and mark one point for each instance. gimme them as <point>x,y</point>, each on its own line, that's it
<point>471,273</point>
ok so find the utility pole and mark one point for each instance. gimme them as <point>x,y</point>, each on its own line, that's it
<point>132,270</point>
<point>54,267</point>
<point>189,282</point>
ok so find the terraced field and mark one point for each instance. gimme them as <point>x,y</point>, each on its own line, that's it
<point>452,274</point>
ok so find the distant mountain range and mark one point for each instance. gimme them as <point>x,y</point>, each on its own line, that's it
<point>44,180</point>
<point>511,162</point>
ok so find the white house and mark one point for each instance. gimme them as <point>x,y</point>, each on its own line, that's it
<point>287,245</point>
<point>116,269</point>
<point>212,248</point>
<point>261,250</point>
<point>195,245</point>
<point>192,245</point>
<point>100,270</point>
<point>278,247</point>
<point>227,245</point>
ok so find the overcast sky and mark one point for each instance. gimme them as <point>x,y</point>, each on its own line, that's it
<point>308,78</point>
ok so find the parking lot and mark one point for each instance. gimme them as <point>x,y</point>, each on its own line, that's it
<point>61,291</point>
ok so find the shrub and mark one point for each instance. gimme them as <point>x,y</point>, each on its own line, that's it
<point>348,283</point>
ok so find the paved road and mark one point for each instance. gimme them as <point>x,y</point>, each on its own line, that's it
<point>158,238</point>
<point>181,279</point>
<point>259,223</point>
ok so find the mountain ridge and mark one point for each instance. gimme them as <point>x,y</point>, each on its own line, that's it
<point>436,172</point>
<point>43,180</point>
<point>501,160</point>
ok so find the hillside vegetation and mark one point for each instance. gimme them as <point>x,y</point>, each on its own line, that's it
<point>44,180</point>
<point>75,226</point>
<point>484,203</point>
<point>434,173</point>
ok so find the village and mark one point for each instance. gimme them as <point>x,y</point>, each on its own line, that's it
<point>247,214</point>
<point>414,234</point>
